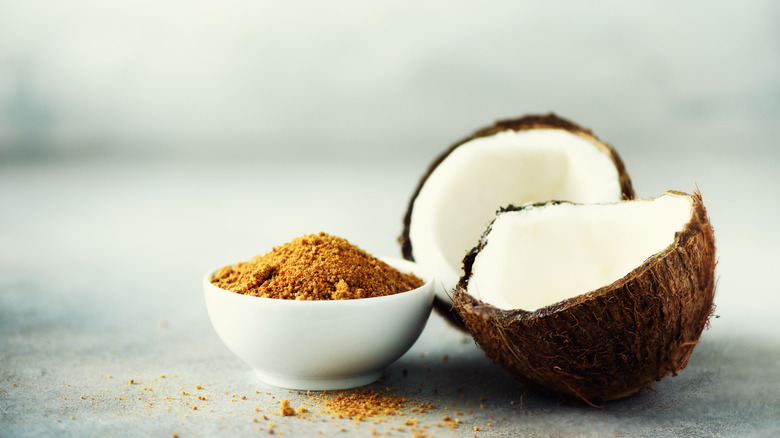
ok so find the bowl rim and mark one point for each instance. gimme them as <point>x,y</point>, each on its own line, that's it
<point>427,278</point>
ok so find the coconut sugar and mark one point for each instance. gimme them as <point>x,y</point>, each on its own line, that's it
<point>360,403</point>
<point>315,267</point>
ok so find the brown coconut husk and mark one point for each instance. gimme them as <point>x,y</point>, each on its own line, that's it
<point>529,122</point>
<point>614,341</point>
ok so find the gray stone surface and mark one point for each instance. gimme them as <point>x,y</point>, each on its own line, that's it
<point>100,272</point>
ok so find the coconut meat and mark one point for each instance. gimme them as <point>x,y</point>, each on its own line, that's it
<point>460,197</point>
<point>542,255</point>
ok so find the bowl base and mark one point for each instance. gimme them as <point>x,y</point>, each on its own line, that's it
<point>319,383</point>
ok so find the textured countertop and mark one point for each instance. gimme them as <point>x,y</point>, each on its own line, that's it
<point>100,272</point>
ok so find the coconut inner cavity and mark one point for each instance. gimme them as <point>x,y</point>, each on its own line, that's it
<point>461,196</point>
<point>542,255</point>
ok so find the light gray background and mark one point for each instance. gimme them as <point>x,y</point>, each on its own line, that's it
<point>142,144</point>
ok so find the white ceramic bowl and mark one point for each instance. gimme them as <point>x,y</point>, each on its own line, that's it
<point>320,345</point>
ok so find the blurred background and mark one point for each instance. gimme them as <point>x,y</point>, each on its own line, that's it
<point>293,117</point>
<point>143,143</point>
<point>195,131</point>
<point>89,79</point>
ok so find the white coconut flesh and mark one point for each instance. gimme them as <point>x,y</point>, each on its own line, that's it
<point>461,196</point>
<point>539,256</point>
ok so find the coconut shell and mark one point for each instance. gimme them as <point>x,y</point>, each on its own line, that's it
<point>616,340</point>
<point>529,122</point>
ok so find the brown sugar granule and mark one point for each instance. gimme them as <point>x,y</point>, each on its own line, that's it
<point>286,410</point>
<point>315,267</point>
<point>360,403</point>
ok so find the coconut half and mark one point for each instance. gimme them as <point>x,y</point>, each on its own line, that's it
<point>596,301</point>
<point>531,159</point>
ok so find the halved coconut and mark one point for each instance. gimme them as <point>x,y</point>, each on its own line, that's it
<point>531,159</point>
<point>596,301</point>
